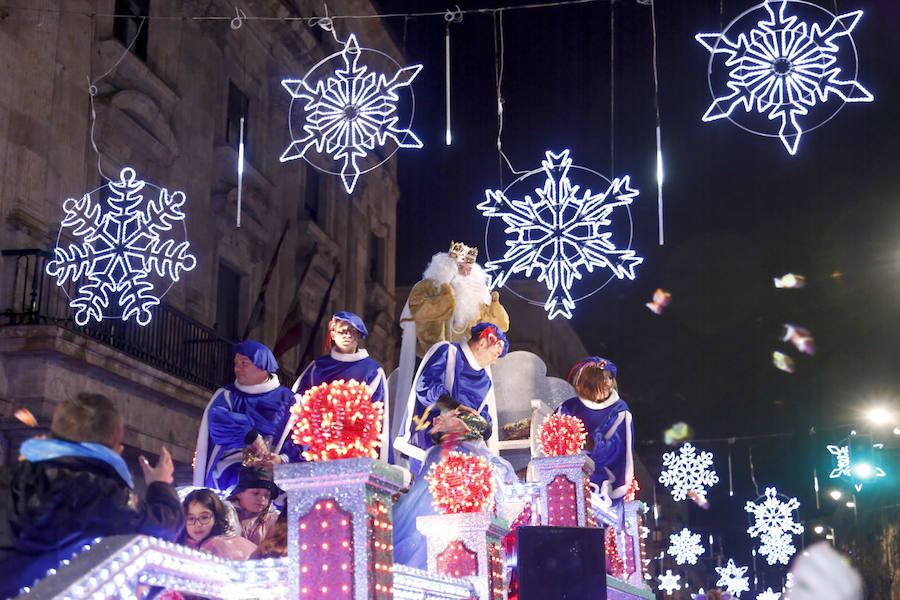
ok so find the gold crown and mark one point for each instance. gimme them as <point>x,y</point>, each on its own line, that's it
<point>460,252</point>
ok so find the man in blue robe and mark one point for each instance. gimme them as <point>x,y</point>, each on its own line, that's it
<point>346,360</point>
<point>255,402</point>
<point>608,422</point>
<point>461,370</point>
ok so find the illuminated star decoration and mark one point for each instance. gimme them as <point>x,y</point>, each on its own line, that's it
<point>686,471</point>
<point>732,577</point>
<point>783,68</point>
<point>562,232</point>
<point>121,246</point>
<point>349,113</point>
<point>774,525</point>
<point>768,595</point>
<point>685,546</point>
<point>669,581</point>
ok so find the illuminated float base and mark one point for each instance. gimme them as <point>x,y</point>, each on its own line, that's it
<point>565,494</point>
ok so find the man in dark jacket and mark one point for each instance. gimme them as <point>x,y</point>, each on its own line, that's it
<point>73,487</point>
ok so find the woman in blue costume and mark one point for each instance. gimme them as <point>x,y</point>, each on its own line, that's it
<point>610,431</point>
<point>256,403</point>
<point>345,360</point>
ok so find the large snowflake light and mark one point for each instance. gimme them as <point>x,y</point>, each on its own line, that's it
<point>562,232</point>
<point>782,70</point>
<point>732,577</point>
<point>841,468</point>
<point>668,581</point>
<point>774,525</point>
<point>686,471</point>
<point>121,247</point>
<point>349,113</point>
<point>685,546</point>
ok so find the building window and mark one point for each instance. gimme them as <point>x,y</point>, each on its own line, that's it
<point>238,105</point>
<point>228,297</point>
<point>131,26</point>
<point>311,200</point>
<point>376,258</point>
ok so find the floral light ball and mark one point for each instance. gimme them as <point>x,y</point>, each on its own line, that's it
<point>562,435</point>
<point>338,420</point>
<point>461,483</point>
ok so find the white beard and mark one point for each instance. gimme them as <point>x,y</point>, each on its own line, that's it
<point>471,291</point>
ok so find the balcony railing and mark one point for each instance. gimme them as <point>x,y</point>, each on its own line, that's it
<point>173,342</point>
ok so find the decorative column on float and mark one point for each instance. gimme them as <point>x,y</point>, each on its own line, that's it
<point>467,545</point>
<point>340,528</point>
<point>564,482</point>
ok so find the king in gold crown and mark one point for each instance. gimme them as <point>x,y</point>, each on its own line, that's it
<point>462,253</point>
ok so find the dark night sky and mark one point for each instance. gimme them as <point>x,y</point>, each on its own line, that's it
<point>739,210</point>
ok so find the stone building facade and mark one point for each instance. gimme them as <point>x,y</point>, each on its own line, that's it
<point>168,105</point>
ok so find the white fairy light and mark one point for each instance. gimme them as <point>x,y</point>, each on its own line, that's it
<point>784,68</point>
<point>686,471</point>
<point>732,577</point>
<point>121,246</point>
<point>774,525</point>
<point>685,546</point>
<point>668,581</point>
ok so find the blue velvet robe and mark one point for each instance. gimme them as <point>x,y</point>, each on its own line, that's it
<point>609,425</point>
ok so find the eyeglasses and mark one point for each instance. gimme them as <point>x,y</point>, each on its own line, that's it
<point>202,519</point>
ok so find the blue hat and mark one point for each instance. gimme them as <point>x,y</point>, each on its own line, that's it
<point>481,328</point>
<point>259,355</point>
<point>594,361</point>
<point>354,320</point>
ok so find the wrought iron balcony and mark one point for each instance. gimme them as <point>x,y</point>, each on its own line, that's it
<point>173,342</point>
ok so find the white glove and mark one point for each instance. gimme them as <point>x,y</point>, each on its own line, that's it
<point>820,573</point>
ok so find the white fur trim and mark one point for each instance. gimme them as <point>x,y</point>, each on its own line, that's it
<point>613,398</point>
<point>352,357</point>
<point>260,388</point>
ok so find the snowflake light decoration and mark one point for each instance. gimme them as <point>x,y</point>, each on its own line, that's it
<point>121,246</point>
<point>784,69</point>
<point>842,465</point>
<point>774,525</point>
<point>349,113</point>
<point>562,232</point>
<point>685,546</point>
<point>686,471</point>
<point>768,595</point>
<point>732,577</point>
<point>668,581</point>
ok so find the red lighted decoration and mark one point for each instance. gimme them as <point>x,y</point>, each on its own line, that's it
<point>561,435</point>
<point>326,552</point>
<point>457,561</point>
<point>461,483</point>
<point>633,489</point>
<point>381,555</point>
<point>338,420</point>
<point>495,582</point>
<point>561,502</point>
<point>614,564</point>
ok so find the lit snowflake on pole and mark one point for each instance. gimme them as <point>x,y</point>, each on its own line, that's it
<point>842,458</point>
<point>768,595</point>
<point>686,471</point>
<point>120,248</point>
<point>562,234</point>
<point>784,69</point>
<point>685,546</point>
<point>774,524</point>
<point>669,581</point>
<point>349,113</point>
<point>732,577</point>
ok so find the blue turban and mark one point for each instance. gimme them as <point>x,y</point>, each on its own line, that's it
<point>259,355</point>
<point>594,361</point>
<point>355,321</point>
<point>478,329</point>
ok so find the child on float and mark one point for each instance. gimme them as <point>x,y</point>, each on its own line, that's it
<point>610,430</point>
<point>252,499</point>
<point>207,527</point>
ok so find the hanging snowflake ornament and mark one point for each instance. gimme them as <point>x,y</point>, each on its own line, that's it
<point>685,546</point>
<point>561,435</point>
<point>783,62</point>
<point>774,525</point>
<point>338,420</point>
<point>768,595</point>
<point>460,483</point>
<point>842,461</point>
<point>562,231</point>
<point>347,114</point>
<point>733,579</point>
<point>686,471</point>
<point>130,239</point>
<point>668,581</point>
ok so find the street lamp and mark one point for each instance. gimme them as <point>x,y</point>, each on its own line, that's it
<point>835,494</point>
